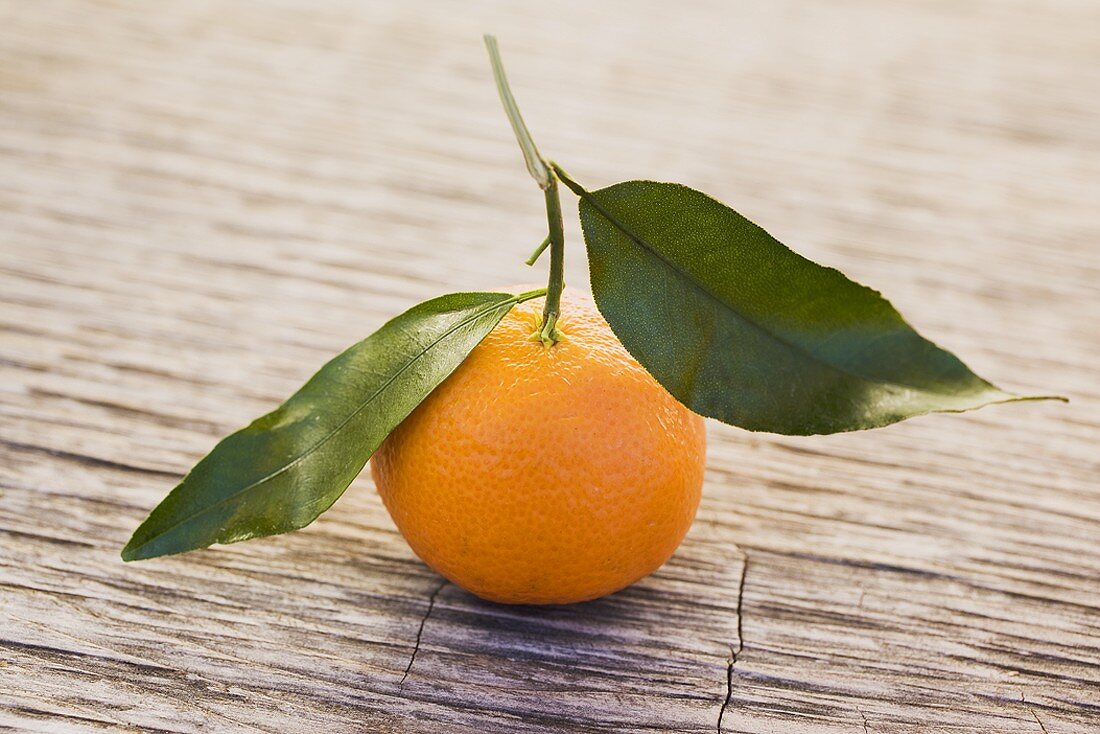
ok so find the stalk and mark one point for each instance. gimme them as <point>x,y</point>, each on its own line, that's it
<point>540,171</point>
<point>538,252</point>
<point>549,333</point>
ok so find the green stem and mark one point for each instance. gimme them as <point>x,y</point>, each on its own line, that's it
<point>538,252</point>
<point>566,179</point>
<point>528,295</point>
<point>536,165</point>
<point>540,171</point>
<point>549,333</point>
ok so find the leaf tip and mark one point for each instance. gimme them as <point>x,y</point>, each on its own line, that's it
<point>1059,398</point>
<point>132,551</point>
<point>140,547</point>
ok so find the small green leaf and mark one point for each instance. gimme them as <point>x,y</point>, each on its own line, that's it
<point>289,466</point>
<point>740,328</point>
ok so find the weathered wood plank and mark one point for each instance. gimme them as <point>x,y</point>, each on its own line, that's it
<point>201,202</point>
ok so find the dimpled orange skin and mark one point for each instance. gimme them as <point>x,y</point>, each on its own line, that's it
<point>545,476</point>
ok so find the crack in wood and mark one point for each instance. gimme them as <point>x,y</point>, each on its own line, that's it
<point>420,630</point>
<point>740,641</point>
<point>1037,720</point>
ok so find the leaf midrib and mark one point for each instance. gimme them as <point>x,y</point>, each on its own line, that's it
<point>309,452</point>
<point>587,196</point>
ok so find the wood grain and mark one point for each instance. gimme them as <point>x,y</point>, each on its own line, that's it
<point>200,202</point>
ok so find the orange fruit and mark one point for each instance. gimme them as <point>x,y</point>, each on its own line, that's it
<point>537,475</point>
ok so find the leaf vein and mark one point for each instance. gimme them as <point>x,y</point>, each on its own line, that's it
<point>686,276</point>
<point>309,451</point>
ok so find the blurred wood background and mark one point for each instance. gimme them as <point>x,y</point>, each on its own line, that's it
<point>200,202</point>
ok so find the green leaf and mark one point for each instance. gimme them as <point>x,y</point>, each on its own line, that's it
<point>289,466</point>
<point>740,328</point>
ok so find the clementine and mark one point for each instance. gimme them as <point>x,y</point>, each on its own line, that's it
<point>545,475</point>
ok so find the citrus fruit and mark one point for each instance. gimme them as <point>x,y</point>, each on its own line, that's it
<point>545,475</point>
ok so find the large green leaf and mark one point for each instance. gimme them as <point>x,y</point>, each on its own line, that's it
<point>289,466</point>
<point>740,328</point>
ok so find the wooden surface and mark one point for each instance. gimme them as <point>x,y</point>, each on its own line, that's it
<point>201,202</point>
